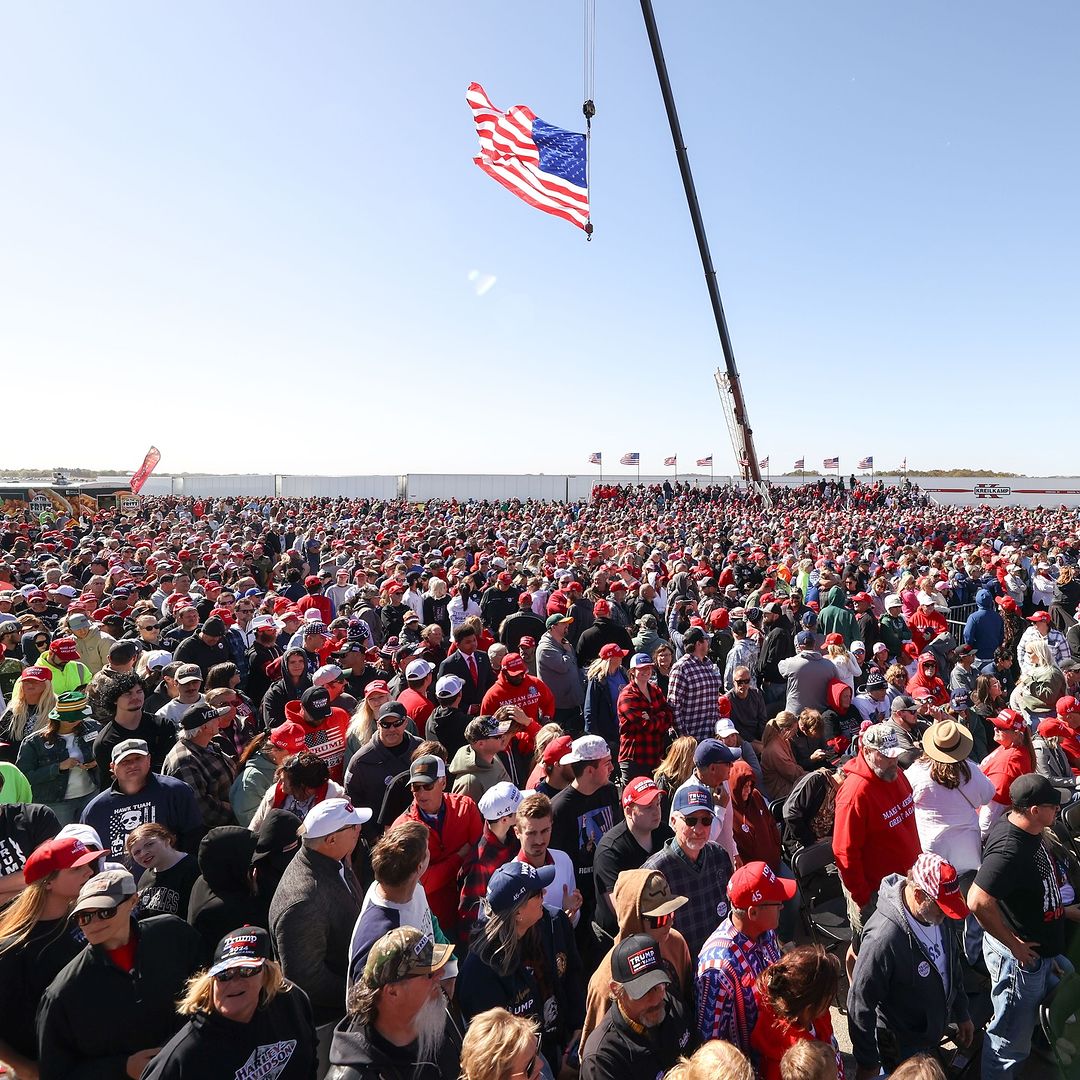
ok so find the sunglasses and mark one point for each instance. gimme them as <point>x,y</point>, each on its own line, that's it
<point>742,682</point>
<point>655,921</point>
<point>391,723</point>
<point>423,787</point>
<point>238,973</point>
<point>701,821</point>
<point>40,643</point>
<point>85,918</point>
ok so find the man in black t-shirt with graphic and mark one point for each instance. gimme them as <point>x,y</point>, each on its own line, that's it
<point>1016,899</point>
<point>581,814</point>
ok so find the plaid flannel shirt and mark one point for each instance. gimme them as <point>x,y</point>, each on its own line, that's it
<point>694,688</point>
<point>206,770</point>
<point>490,855</point>
<point>644,720</point>
<point>705,884</point>
<point>728,967</point>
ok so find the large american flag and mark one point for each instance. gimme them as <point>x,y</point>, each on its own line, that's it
<point>866,463</point>
<point>705,461</point>
<point>542,164</point>
<point>800,463</point>
<point>596,459</point>
<point>832,463</point>
<point>630,459</point>
<point>670,460</point>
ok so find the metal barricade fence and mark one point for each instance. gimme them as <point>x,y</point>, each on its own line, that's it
<point>957,618</point>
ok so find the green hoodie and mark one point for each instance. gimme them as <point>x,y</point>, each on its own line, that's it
<point>834,618</point>
<point>471,777</point>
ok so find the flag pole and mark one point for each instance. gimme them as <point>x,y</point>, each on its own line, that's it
<point>734,381</point>
<point>639,469</point>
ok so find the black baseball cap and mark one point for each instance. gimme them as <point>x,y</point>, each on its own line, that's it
<point>200,714</point>
<point>316,702</point>
<point>636,963</point>
<point>247,947</point>
<point>1031,789</point>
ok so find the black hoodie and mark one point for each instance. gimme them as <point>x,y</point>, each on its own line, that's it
<point>223,898</point>
<point>361,1054</point>
<point>279,1041</point>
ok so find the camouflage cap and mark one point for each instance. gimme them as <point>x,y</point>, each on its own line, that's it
<point>402,953</point>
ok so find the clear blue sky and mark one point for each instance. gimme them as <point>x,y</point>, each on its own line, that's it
<point>245,232</point>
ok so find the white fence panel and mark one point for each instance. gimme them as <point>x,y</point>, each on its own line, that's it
<point>348,487</point>
<point>207,486</point>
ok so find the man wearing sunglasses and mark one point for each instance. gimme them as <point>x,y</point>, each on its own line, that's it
<point>908,982</point>
<point>385,755</point>
<point>1016,898</point>
<point>398,1025</point>
<point>694,866</point>
<point>646,1029</point>
<point>110,1010</point>
<point>454,829</point>
<point>738,951</point>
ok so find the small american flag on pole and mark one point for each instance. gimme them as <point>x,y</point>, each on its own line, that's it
<point>831,463</point>
<point>800,463</point>
<point>596,459</point>
<point>744,462</point>
<point>903,465</point>
<point>705,461</point>
<point>630,459</point>
<point>542,164</point>
<point>866,462</point>
<point>670,460</point>
<point>764,462</point>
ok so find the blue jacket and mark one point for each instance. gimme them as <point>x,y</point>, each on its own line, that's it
<point>985,629</point>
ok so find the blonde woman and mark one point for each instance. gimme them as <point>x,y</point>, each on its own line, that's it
<point>362,725</point>
<point>501,1046</point>
<point>778,764</point>
<point>674,770</point>
<point>847,667</point>
<point>36,941</point>
<point>715,1060</point>
<point>237,1008</point>
<point>604,681</point>
<point>32,699</point>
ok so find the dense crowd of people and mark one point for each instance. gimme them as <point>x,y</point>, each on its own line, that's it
<point>359,789</point>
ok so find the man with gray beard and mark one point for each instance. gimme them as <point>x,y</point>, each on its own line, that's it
<point>398,1024</point>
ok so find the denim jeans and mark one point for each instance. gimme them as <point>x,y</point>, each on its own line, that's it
<point>1016,993</point>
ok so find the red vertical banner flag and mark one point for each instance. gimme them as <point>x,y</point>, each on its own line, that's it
<point>153,456</point>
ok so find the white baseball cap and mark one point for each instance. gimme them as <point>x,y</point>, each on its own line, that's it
<point>328,673</point>
<point>725,727</point>
<point>449,686</point>
<point>418,669</point>
<point>587,748</point>
<point>330,815</point>
<point>499,801</point>
<point>159,658</point>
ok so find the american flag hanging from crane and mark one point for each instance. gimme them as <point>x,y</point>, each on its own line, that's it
<point>540,163</point>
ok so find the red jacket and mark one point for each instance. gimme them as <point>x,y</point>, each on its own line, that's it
<point>534,699</point>
<point>461,824</point>
<point>417,707</point>
<point>1002,766</point>
<point>772,1038</point>
<point>874,832</point>
<point>320,602</point>
<point>326,741</point>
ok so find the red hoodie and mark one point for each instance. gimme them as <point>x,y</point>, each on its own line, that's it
<point>874,833</point>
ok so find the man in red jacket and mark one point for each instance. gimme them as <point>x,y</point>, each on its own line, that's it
<point>454,829</point>
<point>874,832</point>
